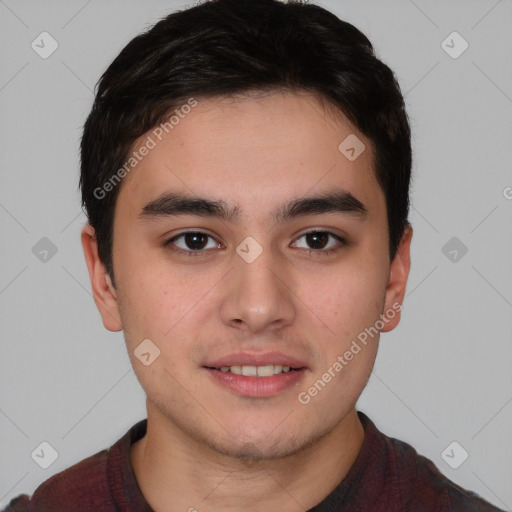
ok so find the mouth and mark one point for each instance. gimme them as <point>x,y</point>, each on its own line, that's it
<point>256,375</point>
<point>262,371</point>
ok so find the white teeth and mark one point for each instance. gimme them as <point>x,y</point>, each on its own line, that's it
<point>265,371</point>
<point>277,369</point>
<point>256,371</point>
<point>236,370</point>
<point>249,371</point>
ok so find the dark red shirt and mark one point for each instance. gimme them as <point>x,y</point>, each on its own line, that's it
<point>387,476</point>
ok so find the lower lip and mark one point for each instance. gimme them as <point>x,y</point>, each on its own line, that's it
<point>258,387</point>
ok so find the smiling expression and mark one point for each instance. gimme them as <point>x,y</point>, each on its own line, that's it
<point>247,230</point>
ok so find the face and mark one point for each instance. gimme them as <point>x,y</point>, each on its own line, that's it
<point>265,284</point>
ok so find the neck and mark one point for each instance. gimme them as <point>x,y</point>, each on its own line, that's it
<point>173,468</point>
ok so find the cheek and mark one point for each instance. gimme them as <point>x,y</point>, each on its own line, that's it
<point>149,302</point>
<point>166,306</point>
<point>153,280</point>
<point>348,299</point>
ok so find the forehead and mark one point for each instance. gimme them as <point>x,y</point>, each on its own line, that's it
<point>252,151</point>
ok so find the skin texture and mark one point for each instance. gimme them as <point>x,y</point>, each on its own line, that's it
<point>208,447</point>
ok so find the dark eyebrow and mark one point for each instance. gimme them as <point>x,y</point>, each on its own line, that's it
<point>172,204</point>
<point>338,201</point>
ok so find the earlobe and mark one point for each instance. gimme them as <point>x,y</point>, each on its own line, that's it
<point>104,293</point>
<point>398,275</point>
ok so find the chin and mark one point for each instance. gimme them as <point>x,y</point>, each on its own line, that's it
<point>258,450</point>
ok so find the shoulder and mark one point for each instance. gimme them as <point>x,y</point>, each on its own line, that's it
<point>424,487</point>
<point>83,486</point>
<point>104,481</point>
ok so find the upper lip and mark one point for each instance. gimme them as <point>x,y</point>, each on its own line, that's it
<point>256,359</point>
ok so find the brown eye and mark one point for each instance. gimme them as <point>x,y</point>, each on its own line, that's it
<point>192,243</point>
<point>320,242</point>
<point>317,239</point>
<point>195,241</point>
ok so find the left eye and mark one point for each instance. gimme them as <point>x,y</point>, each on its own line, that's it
<point>320,239</point>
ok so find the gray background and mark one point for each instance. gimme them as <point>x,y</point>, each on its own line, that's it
<point>443,375</point>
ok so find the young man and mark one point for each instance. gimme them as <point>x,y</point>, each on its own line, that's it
<point>245,171</point>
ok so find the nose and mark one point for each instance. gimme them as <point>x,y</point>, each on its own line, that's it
<point>259,295</point>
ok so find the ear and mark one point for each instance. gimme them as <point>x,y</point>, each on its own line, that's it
<point>398,274</point>
<point>105,295</point>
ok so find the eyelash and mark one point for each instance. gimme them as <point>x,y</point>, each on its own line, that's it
<point>202,252</point>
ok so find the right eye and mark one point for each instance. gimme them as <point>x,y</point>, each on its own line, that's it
<point>194,243</point>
